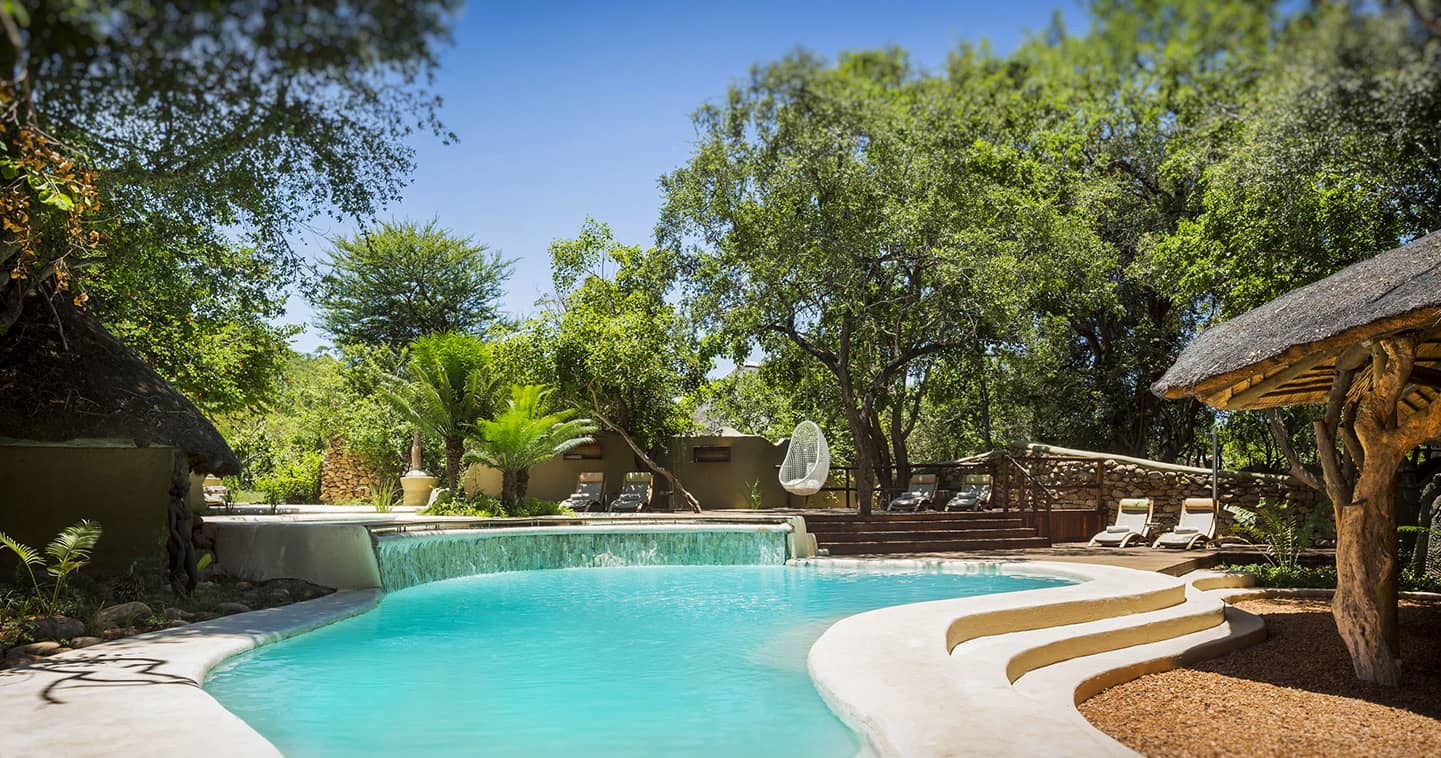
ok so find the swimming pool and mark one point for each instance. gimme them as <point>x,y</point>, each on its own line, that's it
<point>697,661</point>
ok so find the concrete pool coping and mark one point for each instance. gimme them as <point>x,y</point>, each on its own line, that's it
<point>143,695</point>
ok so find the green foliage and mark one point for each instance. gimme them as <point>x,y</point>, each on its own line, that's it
<point>385,494</point>
<point>294,480</point>
<point>400,282</point>
<point>486,506</point>
<point>620,351</point>
<point>524,433</point>
<point>69,552</point>
<point>208,125</point>
<point>319,399</point>
<point>1324,577</point>
<point>1282,528</point>
<point>449,385</point>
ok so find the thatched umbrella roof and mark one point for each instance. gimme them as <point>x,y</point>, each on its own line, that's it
<point>63,378</point>
<point>1285,352</point>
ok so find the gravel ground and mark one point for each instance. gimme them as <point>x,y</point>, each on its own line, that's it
<point>1292,695</point>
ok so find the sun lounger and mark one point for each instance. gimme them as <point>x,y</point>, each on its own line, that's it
<point>919,494</point>
<point>1196,527</point>
<point>634,494</point>
<point>1133,523</point>
<point>969,497</point>
<point>589,492</point>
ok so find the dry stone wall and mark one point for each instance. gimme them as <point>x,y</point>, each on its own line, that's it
<point>1073,481</point>
<point>343,478</point>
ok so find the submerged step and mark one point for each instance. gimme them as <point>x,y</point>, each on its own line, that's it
<point>936,546</point>
<point>921,535</point>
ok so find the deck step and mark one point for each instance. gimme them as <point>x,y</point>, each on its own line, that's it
<point>913,526</point>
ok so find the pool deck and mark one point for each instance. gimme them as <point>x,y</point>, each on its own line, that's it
<point>1169,562</point>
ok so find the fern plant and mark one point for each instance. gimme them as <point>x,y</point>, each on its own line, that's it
<point>70,551</point>
<point>1281,529</point>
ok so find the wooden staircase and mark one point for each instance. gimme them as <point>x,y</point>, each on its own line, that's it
<point>926,532</point>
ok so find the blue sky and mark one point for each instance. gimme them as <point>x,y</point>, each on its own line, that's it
<point>572,109</point>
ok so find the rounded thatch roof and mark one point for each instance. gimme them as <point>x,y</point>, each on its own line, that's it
<point>1284,352</point>
<point>64,378</point>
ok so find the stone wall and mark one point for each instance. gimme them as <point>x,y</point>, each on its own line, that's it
<point>343,478</point>
<point>1077,479</point>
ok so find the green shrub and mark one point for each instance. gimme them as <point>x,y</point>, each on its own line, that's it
<point>1324,577</point>
<point>1282,529</point>
<point>69,552</point>
<point>294,480</point>
<point>485,506</point>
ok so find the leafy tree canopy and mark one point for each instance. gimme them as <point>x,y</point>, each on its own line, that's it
<point>401,282</point>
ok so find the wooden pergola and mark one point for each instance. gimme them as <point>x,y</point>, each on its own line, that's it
<point>1365,343</point>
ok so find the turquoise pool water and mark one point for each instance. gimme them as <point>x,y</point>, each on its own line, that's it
<point>694,661</point>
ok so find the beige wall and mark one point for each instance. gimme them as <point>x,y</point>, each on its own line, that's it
<point>127,490</point>
<point>715,485</point>
<point>728,485</point>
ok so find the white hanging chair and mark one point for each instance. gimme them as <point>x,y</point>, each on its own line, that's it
<point>807,462</point>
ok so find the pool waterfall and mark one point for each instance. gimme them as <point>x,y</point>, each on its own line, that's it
<point>412,558</point>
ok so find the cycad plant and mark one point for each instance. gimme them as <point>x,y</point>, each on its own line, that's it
<point>70,551</point>
<point>524,434</point>
<point>446,392</point>
<point>1282,529</point>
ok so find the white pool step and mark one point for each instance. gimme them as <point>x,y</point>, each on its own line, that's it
<point>915,692</point>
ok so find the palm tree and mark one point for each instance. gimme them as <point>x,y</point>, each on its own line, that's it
<point>444,397</point>
<point>523,435</point>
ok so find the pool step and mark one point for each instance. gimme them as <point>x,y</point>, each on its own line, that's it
<point>893,547</point>
<point>915,534</point>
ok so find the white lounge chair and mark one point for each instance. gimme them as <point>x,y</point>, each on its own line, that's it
<point>1196,527</point>
<point>634,495</point>
<point>919,494</point>
<point>1133,524</point>
<point>589,492</point>
<point>969,497</point>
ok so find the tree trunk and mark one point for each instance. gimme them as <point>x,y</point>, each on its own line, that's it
<point>509,489</point>
<point>1367,570</point>
<point>522,484</point>
<point>179,546</point>
<point>454,450</point>
<point>1424,517</point>
<point>415,449</point>
<point>865,459</point>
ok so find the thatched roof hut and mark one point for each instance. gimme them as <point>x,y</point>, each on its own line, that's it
<point>64,379</point>
<point>1285,352</point>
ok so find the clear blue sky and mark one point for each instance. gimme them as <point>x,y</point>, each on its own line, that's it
<point>572,109</point>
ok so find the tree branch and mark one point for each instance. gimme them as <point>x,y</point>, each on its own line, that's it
<point>1283,442</point>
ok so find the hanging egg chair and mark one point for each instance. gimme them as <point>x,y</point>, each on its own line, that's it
<point>807,462</point>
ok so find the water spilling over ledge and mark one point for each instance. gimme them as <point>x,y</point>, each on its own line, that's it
<point>409,559</point>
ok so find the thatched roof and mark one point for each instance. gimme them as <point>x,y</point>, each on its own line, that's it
<point>1285,352</point>
<point>64,379</point>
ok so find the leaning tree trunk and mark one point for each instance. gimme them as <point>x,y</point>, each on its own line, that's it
<point>179,546</point>
<point>680,490</point>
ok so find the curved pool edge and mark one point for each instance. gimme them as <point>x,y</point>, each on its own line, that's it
<point>143,695</point>
<point>956,677</point>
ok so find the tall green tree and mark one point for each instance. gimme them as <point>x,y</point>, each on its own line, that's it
<point>401,281</point>
<point>830,210</point>
<point>622,353</point>
<point>524,433</point>
<point>156,156</point>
